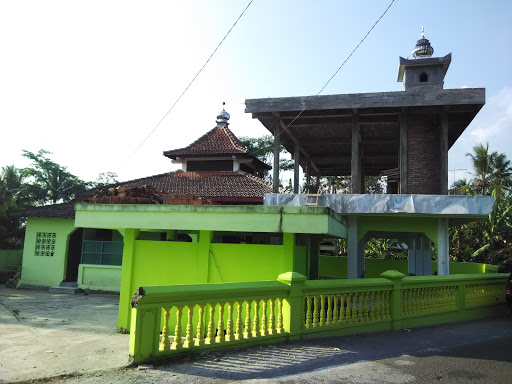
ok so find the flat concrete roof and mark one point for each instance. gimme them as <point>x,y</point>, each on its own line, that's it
<point>448,206</point>
<point>239,218</point>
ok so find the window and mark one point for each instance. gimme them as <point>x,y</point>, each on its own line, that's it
<point>45,243</point>
<point>423,77</point>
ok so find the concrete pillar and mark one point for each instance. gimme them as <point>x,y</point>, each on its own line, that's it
<point>314,253</point>
<point>127,290</point>
<point>444,154</point>
<point>296,157</point>
<point>277,148</point>
<point>403,153</point>
<point>443,248</point>
<point>355,251</point>
<point>355,163</point>
<point>308,176</point>
<point>420,255</point>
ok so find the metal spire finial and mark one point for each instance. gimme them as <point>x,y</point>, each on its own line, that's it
<point>423,48</point>
<point>223,117</point>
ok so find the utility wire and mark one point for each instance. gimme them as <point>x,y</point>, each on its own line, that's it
<point>332,77</point>
<point>189,84</point>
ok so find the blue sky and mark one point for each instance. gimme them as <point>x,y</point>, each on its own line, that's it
<point>88,80</point>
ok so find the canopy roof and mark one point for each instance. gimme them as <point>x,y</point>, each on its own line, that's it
<point>321,125</point>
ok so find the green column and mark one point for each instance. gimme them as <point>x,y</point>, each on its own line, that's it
<point>205,239</point>
<point>123,321</point>
<point>288,252</point>
<point>395,301</point>
<point>293,305</point>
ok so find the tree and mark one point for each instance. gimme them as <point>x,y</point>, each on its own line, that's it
<point>50,182</point>
<point>105,178</point>
<point>482,162</point>
<point>263,149</point>
<point>460,187</point>
<point>13,195</point>
<point>501,170</point>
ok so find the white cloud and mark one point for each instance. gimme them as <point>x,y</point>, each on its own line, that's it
<point>495,119</point>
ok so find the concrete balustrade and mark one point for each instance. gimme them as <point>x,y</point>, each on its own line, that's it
<point>167,320</point>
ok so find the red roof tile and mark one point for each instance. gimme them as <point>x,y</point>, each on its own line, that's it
<point>206,184</point>
<point>218,141</point>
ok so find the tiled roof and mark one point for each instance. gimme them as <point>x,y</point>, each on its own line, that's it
<point>206,184</point>
<point>63,210</point>
<point>234,185</point>
<point>218,141</point>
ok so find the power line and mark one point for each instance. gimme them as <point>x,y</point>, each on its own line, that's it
<point>334,74</point>
<point>189,84</point>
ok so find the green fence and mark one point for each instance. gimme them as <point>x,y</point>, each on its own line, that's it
<point>336,266</point>
<point>167,320</point>
<point>10,258</point>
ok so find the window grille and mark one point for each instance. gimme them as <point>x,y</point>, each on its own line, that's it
<point>45,243</point>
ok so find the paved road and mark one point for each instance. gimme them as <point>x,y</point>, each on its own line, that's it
<point>471,352</point>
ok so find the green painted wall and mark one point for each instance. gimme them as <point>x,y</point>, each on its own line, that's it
<point>99,277</point>
<point>337,267</point>
<point>170,263</point>
<point>10,258</point>
<point>45,270</point>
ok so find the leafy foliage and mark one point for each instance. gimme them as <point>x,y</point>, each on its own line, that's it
<point>263,149</point>
<point>50,182</point>
<point>486,241</point>
<point>13,195</point>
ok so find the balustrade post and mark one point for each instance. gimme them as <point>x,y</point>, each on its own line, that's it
<point>395,300</point>
<point>144,334</point>
<point>293,305</point>
<point>461,297</point>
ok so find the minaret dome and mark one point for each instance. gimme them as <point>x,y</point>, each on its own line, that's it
<point>222,118</point>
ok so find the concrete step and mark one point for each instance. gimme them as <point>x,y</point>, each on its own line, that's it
<point>73,284</point>
<point>65,290</point>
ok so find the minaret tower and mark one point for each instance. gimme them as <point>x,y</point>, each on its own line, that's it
<point>424,72</point>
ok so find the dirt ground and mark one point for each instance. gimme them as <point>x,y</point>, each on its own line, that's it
<point>45,335</point>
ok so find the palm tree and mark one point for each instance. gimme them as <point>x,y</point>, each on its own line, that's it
<point>482,165</point>
<point>460,187</point>
<point>501,170</point>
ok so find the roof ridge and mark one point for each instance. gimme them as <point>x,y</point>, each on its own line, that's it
<point>230,136</point>
<point>256,178</point>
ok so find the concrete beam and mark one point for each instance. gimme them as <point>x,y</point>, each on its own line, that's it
<point>475,96</point>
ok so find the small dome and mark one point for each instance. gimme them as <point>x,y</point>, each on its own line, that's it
<point>423,48</point>
<point>223,117</point>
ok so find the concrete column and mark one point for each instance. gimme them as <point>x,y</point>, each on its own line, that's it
<point>308,176</point>
<point>420,255</point>
<point>205,239</point>
<point>355,163</point>
<point>444,154</point>
<point>126,291</point>
<point>355,262</point>
<point>443,248</point>
<point>296,158</point>
<point>277,147</point>
<point>314,253</point>
<point>403,153</point>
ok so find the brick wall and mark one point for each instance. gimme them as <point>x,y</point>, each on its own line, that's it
<point>423,154</point>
